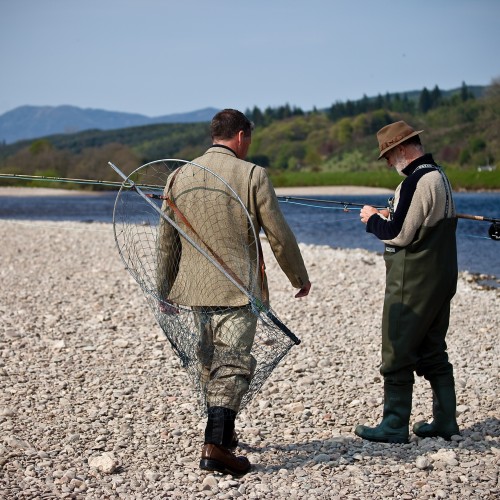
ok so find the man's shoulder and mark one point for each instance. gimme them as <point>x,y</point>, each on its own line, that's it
<point>217,157</point>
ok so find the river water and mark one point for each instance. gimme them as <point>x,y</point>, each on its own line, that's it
<point>311,222</point>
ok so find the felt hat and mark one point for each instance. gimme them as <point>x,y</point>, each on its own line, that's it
<point>393,134</point>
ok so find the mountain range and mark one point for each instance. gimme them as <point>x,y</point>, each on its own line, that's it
<point>28,122</point>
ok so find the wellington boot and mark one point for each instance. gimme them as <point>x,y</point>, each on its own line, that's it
<point>444,405</point>
<point>394,425</point>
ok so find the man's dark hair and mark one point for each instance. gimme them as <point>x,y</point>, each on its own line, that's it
<point>228,122</point>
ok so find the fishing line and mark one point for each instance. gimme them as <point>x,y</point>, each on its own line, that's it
<point>493,231</point>
<point>93,182</point>
<point>313,206</point>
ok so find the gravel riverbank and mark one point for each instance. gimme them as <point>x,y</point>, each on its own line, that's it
<point>93,403</point>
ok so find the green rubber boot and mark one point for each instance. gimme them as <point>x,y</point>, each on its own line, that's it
<point>444,407</point>
<point>396,417</point>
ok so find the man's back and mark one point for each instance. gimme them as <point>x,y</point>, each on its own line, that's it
<point>218,223</point>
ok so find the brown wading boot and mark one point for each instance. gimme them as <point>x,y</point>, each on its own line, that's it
<point>220,459</point>
<point>234,441</point>
<point>216,454</point>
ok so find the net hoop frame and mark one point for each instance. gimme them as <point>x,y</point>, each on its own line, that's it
<point>124,185</point>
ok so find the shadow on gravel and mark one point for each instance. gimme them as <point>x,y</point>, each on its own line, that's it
<point>487,428</point>
<point>335,452</point>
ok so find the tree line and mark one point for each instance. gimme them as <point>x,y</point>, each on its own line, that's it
<point>423,102</point>
<point>461,129</point>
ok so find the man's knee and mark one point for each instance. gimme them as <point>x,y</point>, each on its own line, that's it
<point>400,377</point>
<point>433,370</point>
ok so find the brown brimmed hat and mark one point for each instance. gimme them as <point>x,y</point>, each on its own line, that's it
<point>393,134</point>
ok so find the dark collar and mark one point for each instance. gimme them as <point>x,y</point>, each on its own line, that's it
<point>222,146</point>
<point>423,160</point>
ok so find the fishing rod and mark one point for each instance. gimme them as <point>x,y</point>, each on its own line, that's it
<point>345,204</point>
<point>94,182</point>
<point>493,231</point>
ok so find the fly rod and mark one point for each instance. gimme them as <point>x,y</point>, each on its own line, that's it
<point>493,231</point>
<point>344,204</point>
<point>94,182</point>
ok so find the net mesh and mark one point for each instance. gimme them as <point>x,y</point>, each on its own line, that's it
<point>187,239</point>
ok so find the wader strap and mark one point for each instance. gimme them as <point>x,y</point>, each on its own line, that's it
<point>447,188</point>
<point>446,183</point>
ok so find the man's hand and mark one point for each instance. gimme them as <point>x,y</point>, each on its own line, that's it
<point>303,291</point>
<point>366,212</point>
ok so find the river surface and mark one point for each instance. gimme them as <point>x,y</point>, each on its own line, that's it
<point>312,222</point>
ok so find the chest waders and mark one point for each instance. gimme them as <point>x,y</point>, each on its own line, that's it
<point>430,359</point>
<point>420,283</point>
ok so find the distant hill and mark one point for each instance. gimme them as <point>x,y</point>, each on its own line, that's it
<point>333,146</point>
<point>29,122</point>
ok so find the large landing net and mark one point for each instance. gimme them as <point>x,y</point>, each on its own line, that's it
<point>189,242</point>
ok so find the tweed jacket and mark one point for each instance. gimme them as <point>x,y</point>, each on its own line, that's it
<point>220,226</point>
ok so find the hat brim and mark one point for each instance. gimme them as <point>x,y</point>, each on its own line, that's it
<point>413,134</point>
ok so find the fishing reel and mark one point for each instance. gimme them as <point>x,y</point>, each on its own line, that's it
<point>494,231</point>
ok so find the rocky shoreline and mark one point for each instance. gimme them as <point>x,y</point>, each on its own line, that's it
<point>94,403</point>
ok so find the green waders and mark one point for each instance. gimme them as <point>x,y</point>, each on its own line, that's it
<point>420,283</point>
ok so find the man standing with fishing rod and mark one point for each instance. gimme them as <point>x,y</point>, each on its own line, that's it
<point>421,275</point>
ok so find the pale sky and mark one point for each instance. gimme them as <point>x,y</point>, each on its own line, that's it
<point>157,57</point>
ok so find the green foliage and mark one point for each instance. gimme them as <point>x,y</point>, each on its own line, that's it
<point>332,146</point>
<point>383,179</point>
<point>262,119</point>
<point>473,179</point>
<point>476,144</point>
<point>425,101</point>
<point>40,146</point>
<point>465,156</point>
<point>350,161</point>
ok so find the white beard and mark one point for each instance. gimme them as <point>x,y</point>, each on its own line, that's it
<point>399,163</point>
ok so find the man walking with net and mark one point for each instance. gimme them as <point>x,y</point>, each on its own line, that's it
<point>223,313</point>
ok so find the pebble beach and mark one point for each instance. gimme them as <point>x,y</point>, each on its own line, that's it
<point>94,404</point>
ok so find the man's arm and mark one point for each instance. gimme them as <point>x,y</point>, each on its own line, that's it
<point>281,238</point>
<point>168,257</point>
<point>415,201</point>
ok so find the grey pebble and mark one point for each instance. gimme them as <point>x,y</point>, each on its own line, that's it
<point>90,379</point>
